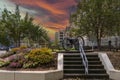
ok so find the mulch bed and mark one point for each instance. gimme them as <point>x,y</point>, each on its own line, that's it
<point>115,59</point>
<point>29,69</point>
<point>50,66</point>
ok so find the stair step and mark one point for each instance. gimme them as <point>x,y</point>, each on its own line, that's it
<point>79,59</point>
<point>82,67</point>
<point>80,62</point>
<point>73,67</point>
<point>83,79</point>
<point>77,55</point>
<point>89,76</point>
<point>72,52</point>
<point>91,71</point>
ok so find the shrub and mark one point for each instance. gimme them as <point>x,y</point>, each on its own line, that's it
<point>15,65</point>
<point>14,50</point>
<point>23,47</point>
<point>16,61</point>
<point>19,48</point>
<point>30,65</point>
<point>11,58</point>
<point>3,63</point>
<point>14,58</point>
<point>42,56</point>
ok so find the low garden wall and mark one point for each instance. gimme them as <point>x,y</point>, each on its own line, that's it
<point>31,75</point>
<point>114,74</point>
<point>35,75</point>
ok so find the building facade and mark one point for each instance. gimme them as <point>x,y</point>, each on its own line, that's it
<point>59,36</point>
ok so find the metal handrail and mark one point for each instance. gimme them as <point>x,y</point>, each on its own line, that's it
<point>84,58</point>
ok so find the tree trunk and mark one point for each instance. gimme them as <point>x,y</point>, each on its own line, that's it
<point>98,36</point>
<point>16,44</point>
<point>19,39</point>
<point>99,43</point>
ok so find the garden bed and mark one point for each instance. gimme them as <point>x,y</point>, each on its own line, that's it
<point>115,59</point>
<point>23,59</point>
<point>30,69</point>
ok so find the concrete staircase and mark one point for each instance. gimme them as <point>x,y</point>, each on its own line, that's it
<point>74,69</point>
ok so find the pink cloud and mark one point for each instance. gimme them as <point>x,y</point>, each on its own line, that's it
<point>54,15</point>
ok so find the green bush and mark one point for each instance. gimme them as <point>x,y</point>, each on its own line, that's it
<point>3,63</point>
<point>18,49</point>
<point>23,47</point>
<point>41,56</point>
<point>30,65</point>
<point>15,49</point>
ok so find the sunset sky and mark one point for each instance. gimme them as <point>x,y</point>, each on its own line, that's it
<point>52,14</point>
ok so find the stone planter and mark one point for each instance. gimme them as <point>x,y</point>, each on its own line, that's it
<point>35,75</point>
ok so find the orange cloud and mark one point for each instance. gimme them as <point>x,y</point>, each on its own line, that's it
<point>50,8</point>
<point>52,14</point>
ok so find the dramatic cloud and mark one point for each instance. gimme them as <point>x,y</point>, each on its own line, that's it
<point>53,13</point>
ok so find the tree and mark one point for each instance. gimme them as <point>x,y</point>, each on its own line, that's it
<point>17,28</point>
<point>98,18</point>
<point>4,38</point>
<point>11,22</point>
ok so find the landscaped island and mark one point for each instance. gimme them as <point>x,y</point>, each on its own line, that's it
<point>23,58</point>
